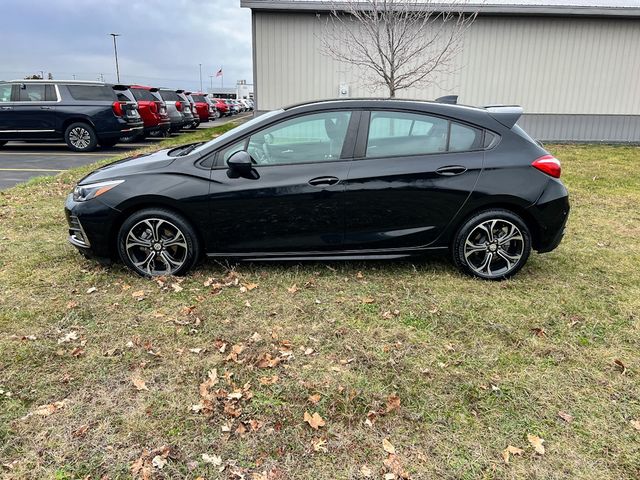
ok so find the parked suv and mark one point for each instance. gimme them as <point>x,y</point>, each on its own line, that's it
<point>187,113</point>
<point>84,114</point>
<point>174,108</point>
<point>221,107</point>
<point>203,111</point>
<point>153,110</point>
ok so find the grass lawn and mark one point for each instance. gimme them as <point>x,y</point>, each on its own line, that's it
<point>413,370</point>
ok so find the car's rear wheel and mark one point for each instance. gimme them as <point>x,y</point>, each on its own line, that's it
<point>156,242</point>
<point>81,137</point>
<point>493,245</point>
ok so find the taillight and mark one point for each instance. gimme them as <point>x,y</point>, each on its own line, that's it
<point>179,106</point>
<point>548,164</point>
<point>117,109</point>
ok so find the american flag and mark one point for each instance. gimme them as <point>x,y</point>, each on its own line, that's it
<point>219,73</point>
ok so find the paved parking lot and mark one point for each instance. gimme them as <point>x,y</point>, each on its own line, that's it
<point>20,161</point>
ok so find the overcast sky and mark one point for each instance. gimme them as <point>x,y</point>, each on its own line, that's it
<point>162,41</point>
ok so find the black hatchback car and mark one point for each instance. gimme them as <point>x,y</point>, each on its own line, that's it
<point>83,114</point>
<point>344,179</point>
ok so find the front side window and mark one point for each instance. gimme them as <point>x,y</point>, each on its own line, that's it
<point>230,150</point>
<point>5,92</point>
<point>32,92</point>
<point>394,134</point>
<point>316,137</point>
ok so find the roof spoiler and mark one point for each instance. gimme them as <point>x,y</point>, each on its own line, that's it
<point>507,115</point>
<point>120,87</point>
<point>450,99</point>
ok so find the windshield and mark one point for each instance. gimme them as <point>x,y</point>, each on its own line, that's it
<point>239,129</point>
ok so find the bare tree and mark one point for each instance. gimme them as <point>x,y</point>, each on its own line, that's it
<point>396,44</point>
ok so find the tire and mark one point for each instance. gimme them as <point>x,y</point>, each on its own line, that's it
<point>492,245</point>
<point>216,114</point>
<point>81,137</point>
<point>194,125</point>
<point>173,249</point>
<point>110,142</point>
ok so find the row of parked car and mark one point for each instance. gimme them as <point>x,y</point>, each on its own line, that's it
<point>88,114</point>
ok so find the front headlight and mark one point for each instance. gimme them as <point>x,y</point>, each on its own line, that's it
<point>82,193</point>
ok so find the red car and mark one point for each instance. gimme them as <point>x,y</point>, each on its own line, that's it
<point>221,106</point>
<point>201,105</point>
<point>152,109</point>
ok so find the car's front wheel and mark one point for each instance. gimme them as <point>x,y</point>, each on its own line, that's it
<point>81,137</point>
<point>493,245</point>
<point>156,242</point>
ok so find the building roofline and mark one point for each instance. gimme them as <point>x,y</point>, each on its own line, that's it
<point>630,11</point>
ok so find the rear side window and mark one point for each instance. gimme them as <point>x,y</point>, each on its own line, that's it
<point>143,95</point>
<point>169,96</point>
<point>401,134</point>
<point>198,98</point>
<point>100,93</point>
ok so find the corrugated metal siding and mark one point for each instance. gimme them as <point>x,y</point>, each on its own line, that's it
<point>567,66</point>
<point>582,128</point>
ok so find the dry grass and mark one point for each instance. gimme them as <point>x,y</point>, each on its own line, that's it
<point>471,374</point>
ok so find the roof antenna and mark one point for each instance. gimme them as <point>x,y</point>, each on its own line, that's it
<point>451,99</point>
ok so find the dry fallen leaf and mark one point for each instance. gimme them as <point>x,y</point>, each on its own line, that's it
<point>621,366</point>
<point>393,402</point>
<point>366,471</point>
<point>636,424</point>
<point>394,465</point>
<point>69,337</point>
<point>46,410</point>
<point>212,459</point>
<point>368,300</point>
<point>315,421</point>
<point>293,289</point>
<point>511,450</point>
<point>319,445</point>
<point>315,398</point>
<point>176,287</point>
<point>537,443</point>
<point>388,447</point>
<point>269,380</point>
<point>250,286</point>
<point>91,290</point>
<point>138,295</point>
<point>159,462</point>
<point>139,383</point>
<point>565,416</point>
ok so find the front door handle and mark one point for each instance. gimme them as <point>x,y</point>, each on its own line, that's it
<point>451,170</point>
<point>6,108</point>
<point>46,108</point>
<point>323,181</point>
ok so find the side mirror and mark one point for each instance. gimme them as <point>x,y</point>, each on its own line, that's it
<point>240,163</point>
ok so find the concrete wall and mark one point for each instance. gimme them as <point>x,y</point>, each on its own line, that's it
<point>576,78</point>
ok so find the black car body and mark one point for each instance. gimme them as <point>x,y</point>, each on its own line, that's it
<point>348,179</point>
<point>84,114</point>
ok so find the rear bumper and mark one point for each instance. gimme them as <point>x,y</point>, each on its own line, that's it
<point>551,213</point>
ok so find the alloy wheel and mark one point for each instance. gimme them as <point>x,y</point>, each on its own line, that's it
<point>80,138</point>
<point>494,247</point>
<point>156,247</point>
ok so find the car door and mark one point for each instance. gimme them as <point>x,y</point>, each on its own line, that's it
<point>6,112</point>
<point>293,200</point>
<point>34,111</point>
<point>411,174</point>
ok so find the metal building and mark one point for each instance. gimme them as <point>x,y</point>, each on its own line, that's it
<point>575,69</point>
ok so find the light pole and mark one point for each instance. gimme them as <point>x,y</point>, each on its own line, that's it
<point>200,76</point>
<point>115,49</point>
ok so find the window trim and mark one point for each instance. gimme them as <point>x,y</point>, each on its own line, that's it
<point>346,154</point>
<point>365,122</point>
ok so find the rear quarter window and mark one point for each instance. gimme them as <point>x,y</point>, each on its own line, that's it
<point>98,93</point>
<point>143,95</point>
<point>169,96</point>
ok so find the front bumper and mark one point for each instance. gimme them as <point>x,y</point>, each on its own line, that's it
<point>90,225</point>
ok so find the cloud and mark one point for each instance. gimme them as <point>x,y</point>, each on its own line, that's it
<point>161,43</point>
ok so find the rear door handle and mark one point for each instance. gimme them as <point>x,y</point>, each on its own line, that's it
<point>451,170</point>
<point>46,108</point>
<point>6,108</point>
<point>323,181</point>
